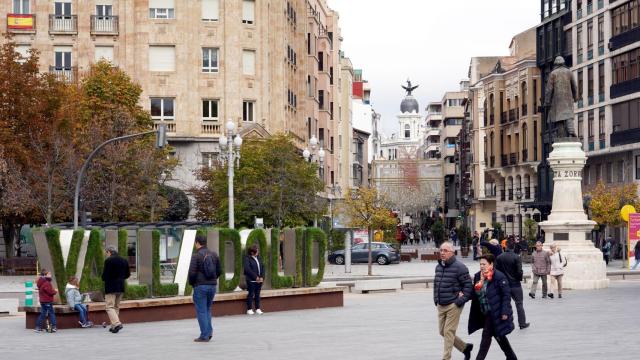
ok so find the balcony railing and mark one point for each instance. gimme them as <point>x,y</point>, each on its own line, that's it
<point>512,115</point>
<point>504,160</point>
<point>209,127</point>
<point>64,74</point>
<point>104,25</point>
<point>524,109</point>
<point>21,23</point>
<point>503,118</point>
<point>513,158</point>
<point>490,190</point>
<point>63,24</point>
<point>525,155</point>
<point>170,126</point>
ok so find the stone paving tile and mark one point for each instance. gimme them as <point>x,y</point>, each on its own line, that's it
<point>403,325</point>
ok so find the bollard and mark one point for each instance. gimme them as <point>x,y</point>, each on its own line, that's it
<point>28,293</point>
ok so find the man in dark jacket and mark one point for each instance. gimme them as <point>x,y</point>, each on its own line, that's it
<point>115,272</point>
<point>451,290</point>
<point>510,265</point>
<point>204,287</point>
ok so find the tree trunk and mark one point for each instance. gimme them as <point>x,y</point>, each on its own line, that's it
<point>369,262</point>
<point>8,233</point>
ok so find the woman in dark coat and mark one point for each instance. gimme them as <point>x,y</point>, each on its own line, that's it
<point>491,308</point>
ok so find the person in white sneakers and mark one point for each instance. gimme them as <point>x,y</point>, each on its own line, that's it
<point>558,263</point>
<point>254,275</point>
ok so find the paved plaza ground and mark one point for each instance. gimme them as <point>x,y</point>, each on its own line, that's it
<point>402,325</point>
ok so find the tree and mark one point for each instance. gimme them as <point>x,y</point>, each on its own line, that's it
<point>366,209</point>
<point>464,235</point>
<point>178,204</point>
<point>272,182</point>
<point>530,231</point>
<point>437,230</point>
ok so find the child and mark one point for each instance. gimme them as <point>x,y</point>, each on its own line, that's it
<point>74,299</point>
<point>45,295</point>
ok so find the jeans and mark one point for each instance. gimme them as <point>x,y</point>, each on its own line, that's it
<point>448,319</point>
<point>516,295</point>
<point>203,300</point>
<point>534,284</point>
<point>82,311</point>
<point>636,264</point>
<point>254,295</point>
<point>485,343</point>
<point>46,309</point>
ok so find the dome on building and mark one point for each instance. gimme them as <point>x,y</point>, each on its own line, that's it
<point>409,105</point>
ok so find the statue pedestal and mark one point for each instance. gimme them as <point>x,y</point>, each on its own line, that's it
<point>568,225</point>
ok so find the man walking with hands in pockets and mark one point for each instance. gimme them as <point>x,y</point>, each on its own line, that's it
<point>452,289</point>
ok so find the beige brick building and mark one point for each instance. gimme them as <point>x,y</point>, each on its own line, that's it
<point>268,66</point>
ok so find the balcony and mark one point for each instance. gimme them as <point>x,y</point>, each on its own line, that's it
<point>624,88</point>
<point>625,137</point>
<point>492,161</point>
<point>512,115</point>
<point>21,23</point>
<point>525,155</point>
<point>504,160</point>
<point>513,158</point>
<point>63,24</point>
<point>210,128</point>
<point>624,39</point>
<point>503,118</point>
<point>524,110</point>
<point>170,126</point>
<point>433,132</point>
<point>64,74</point>
<point>104,25</point>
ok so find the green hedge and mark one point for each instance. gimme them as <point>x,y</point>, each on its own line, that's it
<point>131,292</point>
<point>315,235</point>
<point>277,281</point>
<point>298,280</point>
<point>74,253</point>
<point>53,241</point>
<point>91,279</point>
<point>158,288</point>
<point>257,236</point>
<point>225,285</point>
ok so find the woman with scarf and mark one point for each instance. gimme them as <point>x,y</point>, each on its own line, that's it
<point>491,308</point>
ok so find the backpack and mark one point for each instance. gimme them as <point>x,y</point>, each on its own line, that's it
<point>209,266</point>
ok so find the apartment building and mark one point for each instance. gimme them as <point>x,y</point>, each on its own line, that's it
<point>606,50</point>
<point>452,120</point>
<point>268,66</point>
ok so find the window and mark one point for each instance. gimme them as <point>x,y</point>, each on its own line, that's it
<point>580,85</point>
<point>62,58</point>
<point>104,53</point>
<point>320,61</point>
<point>601,80</point>
<point>590,119</point>
<point>62,8</point>
<point>321,99</point>
<point>248,111</point>
<point>209,60</point>
<point>581,127</point>
<point>162,9</point>
<point>609,173</point>
<point>625,66</point>
<point>625,17</point>
<point>407,131</point>
<point>162,58</point>
<point>590,84</point>
<point>248,11</point>
<point>590,35</point>
<point>210,10</point>
<point>546,8</point>
<point>620,171</point>
<point>162,109</point>
<point>209,110</point>
<point>248,62</point>
<point>104,11</point>
<point>21,7</point>
<point>600,30</point>
<point>210,160</point>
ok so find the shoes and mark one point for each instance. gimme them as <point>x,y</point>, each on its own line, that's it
<point>201,340</point>
<point>259,312</point>
<point>38,330</point>
<point>544,296</point>
<point>559,296</point>
<point>210,337</point>
<point>54,330</point>
<point>526,325</point>
<point>533,296</point>
<point>88,324</point>
<point>116,329</point>
<point>550,295</point>
<point>250,312</point>
<point>467,351</point>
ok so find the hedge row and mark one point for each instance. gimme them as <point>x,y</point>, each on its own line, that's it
<point>225,285</point>
<point>277,281</point>
<point>315,235</point>
<point>91,279</point>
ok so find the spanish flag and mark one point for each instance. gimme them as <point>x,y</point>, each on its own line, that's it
<point>20,21</point>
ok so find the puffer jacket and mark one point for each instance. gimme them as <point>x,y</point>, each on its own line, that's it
<point>452,277</point>
<point>499,299</point>
<point>46,292</point>
<point>510,265</point>
<point>73,295</point>
<point>541,263</point>
<point>558,262</point>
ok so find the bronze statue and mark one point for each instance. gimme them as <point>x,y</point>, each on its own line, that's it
<point>409,88</point>
<point>559,98</point>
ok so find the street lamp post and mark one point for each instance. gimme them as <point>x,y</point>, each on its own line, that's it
<point>309,155</point>
<point>230,154</point>
<point>519,197</point>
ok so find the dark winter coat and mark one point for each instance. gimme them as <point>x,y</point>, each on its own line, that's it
<point>451,278</point>
<point>495,250</point>
<point>251,271</point>
<point>115,272</point>
<point>510,265</point>
<point>499,298</point>
<point>196,273</point>
<point>46,292</point>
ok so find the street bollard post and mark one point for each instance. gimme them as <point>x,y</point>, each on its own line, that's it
<point>28,293</point>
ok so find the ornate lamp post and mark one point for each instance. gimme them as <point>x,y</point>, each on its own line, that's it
<point>309,155</point>
<point>230,154</point>
<point>519,197</point>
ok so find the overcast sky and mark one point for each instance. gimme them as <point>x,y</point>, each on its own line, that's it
<point>429,41</point>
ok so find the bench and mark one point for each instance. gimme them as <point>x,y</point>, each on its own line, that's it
<point>414,254</point>
<point>9,307</point>
<point>425,281</point>
<point>430,257</point>
<point>348,285</point>
<point>405,256</point>
<point>366,286</point>
<point>20,266</point>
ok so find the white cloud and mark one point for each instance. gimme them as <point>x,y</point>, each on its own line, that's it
<point>429,41</point>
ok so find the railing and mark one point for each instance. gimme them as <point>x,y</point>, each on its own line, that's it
<point>524,109</point>
<point>512,115</point>
<point>170,126</point>
<point>503,118</point>
<point>210,128</point>
<point>504,161</point>
<point>107,25</point>
<point>525,155</point>
<point>21,23</point>
<point>63,24</point>
<point>489,190</point>
<point>64,74</point>
<point>492,161</point>
<point>513,158</point>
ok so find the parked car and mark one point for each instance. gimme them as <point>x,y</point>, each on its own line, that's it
<point>381,252</point>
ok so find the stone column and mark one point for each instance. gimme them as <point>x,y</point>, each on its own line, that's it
<point>568,224</point>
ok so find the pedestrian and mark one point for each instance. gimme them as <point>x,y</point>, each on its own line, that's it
<point>636,251</point>
<point>492,247</point>
<point>411,238</point>
<point>46,292</point>
<point>254,275</point>
<point>451,290</point>
<point>516,246</point>
<point>491,308</point>
<point>114,274</point>
<point>74,300</point>
<point>454,236</point>
<point>558,263</point>
<point>474,244</point>
<point>204,271</point>
<point>510,264</point>
<point>540,267</point>
<point>606,250</point>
